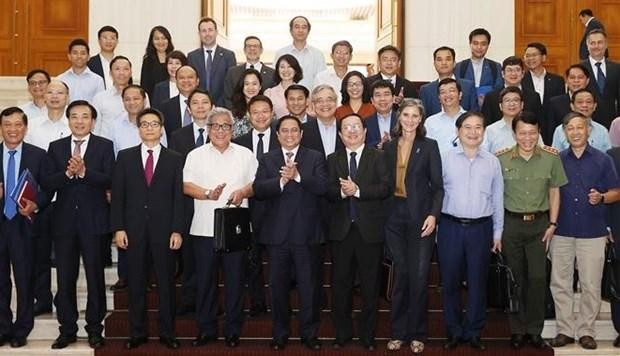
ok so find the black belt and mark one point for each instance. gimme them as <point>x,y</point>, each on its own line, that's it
<point>466,221</point>
<point>528,216</point>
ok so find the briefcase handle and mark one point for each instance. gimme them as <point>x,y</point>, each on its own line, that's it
<point>229,204</point>
<point>502,263</point>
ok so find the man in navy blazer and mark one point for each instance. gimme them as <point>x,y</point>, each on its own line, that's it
<point>82,173</point>
<point>444,60</point>
<point>16,231</point>
<point>100,63</point>
<point>586,16</point>
<point>389,66</point>
<point>176,111</point>
<point>211,61</point>
<point>291,181</point>
<point>379,130</point>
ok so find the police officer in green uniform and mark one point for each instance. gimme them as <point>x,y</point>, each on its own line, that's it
<point>533,176</point>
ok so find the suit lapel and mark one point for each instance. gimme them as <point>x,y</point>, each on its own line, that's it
<point>363,164</point>
<point>217,58</point>
<point>342,161</point>
<point>90,149</point>
<point>163,155</point>
<point>140,166</point>
<point>416,148</point>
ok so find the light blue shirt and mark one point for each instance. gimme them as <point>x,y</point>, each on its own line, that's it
<point>310,59</point>
<point>474,188</point>
<point>599,137</point>
<point>328,136</point>
<point>5,165</point>
<point>499,135</point>
<point>125,134</point>
<point>442,128</point>
<point>384,123</point>
<point>82,86</point>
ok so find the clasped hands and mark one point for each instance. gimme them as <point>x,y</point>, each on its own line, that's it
<point>75,167</point>
<point>288,172</point>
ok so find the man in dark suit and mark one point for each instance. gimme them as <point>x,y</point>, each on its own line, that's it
<point>253,49</point>
<point>587,19</point>
<point>82,173</point>
<point>512,72</point>
<point>614,222</point>
<point>147,220</point>
<point>321,134</point>
<point>176,111</point>
<point>605,75</point>
<point>356,229</point>
<point>536,78</point>
<point>183,141</point>
<point>297,102</point>
<point>100,63</point>
<point>381,123</point>
<point>211,61</point>
<point>389,66</point>
<point>260,140</point>
<point>16,228</point>
<point>161,91</point>
<point>291,181</point>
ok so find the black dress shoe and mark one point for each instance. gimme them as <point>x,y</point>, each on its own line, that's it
<point>311,343</point>
<point>537,342</point>
<point>134,342</point>
<point>339,343</point>
<point>170,342</point>
<point>95,340</point>
<point>257,311</point>
<point>40,308</point>
<point>18,342</point>
<point>119,285</point>
<point>369,345</point>
<point>451,343</point>
<point>277,344</point>
<point>476,343</point>
<point>63,341</point>
<point>204,339</point>
<point>186,310</point>
<point>4,339</point>
<point>617,341</point>
<point>232,340</point>
<point>517,341</point>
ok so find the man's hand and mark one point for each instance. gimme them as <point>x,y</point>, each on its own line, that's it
<point>595,197</point>
<point>548,236</point>
<point>289,171</point>
<point>497,246</point>
<point>120,239</point>
<point>428,226</point>
<point>348,186</point>
<point>175,241</point>
<point>215,193</point>
<point>236,197</point>
<point>29,208</point>
<point>399,98</point>
<point>1,190</point>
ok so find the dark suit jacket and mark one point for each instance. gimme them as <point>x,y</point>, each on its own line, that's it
<point>292,215</point>
<point>492,113</point>
<point>160,94</point>
<point>152,72</point>
<point>614,209</point>
<point>609,101</point>
<point>373,135</point>
<point>373,183</point>
<point>554,85</point>
<point>94,64</point>
<point>222,60</point>
<point>409,90</point>
<point>82,199</point>
<point>245,140</point>
<point>486,79</point>
<point>430,98</point>
<point>234,74</point>
<point>554,111</point>
<point>172,114</point>
<point>312,137</point>
<point>423,182</point>
<point>583,45</point>
<point>137,208</point>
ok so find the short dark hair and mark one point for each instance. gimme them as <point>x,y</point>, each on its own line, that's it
<point>362,121</point>
<point>444,48</point>
<point>527,117</point>
<point>290,23</point>
<point>292,61</point>
<point>583,90</point>
<point>539,46</point>
<point>177,55</point>
<point>343,43</point>
<point>153,111</point>
<point>37,71</point>
<point>14,110</point>
<point>200,91</point>
<point>597,31</point>
<point>134,86</point>
<point>297,87</point>
<point>508,90</point>
<point>579,66</point>
<point>586,12</point>
<point>107,28</point>
<point>512,61</point>
<point>381,83</point>
<point>345,81</point>
<point>258,99</point>
<point>207,19</point>
<point>79,42</point>
<point>389,48</point>
<point>446,81</point>
<point>466,115</point>
<point>478,32</point>
<point>253,38</point>
<point>75,103</point>
<point>118,58</point>
<point>289,117</point>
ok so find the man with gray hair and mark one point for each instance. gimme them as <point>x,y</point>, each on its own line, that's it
<point>321,134</point>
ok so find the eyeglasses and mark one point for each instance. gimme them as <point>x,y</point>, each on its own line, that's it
<point>352,127</point>
<point>37,83</point>
<point>220,127</point>
<point>153,124</point>
<point>325,101</point>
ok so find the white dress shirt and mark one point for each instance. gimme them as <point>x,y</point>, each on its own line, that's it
<point>109,105</point>
<point>266,140</point>
<point>82,86</point>
<point>42,131</point>
<point>144,150</point>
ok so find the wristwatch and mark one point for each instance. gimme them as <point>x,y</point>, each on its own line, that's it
<point>551,223</point>
<point>207,193</point>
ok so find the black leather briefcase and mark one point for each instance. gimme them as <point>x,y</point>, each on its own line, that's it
<point>502,290</point>
<point>610,284</point>
<point>233,229</point>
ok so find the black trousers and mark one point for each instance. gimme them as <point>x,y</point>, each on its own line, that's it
<point>188,265</point>
<point>349,256</point>
<point>254,273</point>
<point>42,260</point>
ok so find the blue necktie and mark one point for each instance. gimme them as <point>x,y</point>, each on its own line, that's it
<point>260,148</point>
<point>201,138</point>
<point>10,209</point>
<point>353,174</point>
<point>600,78</point>
<point>209,68</point>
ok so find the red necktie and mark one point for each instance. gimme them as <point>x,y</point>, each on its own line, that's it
<point>148,168</point>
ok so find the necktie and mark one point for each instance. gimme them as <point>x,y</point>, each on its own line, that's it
<point>259,146</point>
<point>353,174</point>
<point>251,66</point>
<point>289,155</point>
<point>148,168</point>
<point>201,138</point>
<point>77,150</point>
<point>209,67</point>
<point>187,116</point>
<point>10,209</point>
<point>600,78</point>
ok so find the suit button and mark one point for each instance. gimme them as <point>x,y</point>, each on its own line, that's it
<point>146,207</point>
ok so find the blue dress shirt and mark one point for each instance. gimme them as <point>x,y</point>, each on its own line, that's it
<point>599,137</point>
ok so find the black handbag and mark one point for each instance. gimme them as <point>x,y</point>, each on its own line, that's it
<point>233,229</point>
<point>387,279</point>
<point>610,285</point>
<point>502,287</point>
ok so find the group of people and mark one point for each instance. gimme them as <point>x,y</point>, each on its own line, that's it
<point>465,168</point>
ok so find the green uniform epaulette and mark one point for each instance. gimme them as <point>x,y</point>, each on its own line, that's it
<point>503,150</point>
<point>549,149</point>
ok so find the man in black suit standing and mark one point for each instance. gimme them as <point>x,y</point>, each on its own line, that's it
<point>291,182</point>
<point>176,111</point>
<point>100,63</point>
<point>591,23</point>
<point>147,220</point>
<point>536,78</point>
<point>356,229</point>
<point>321,134</point>
<point>82,172</point>
<point>260,140</point>
<point>605,78</point>
<point>389,66</point>
<point>253,49</point>
<point>183,141</point>
<point>614,222</point>
<point>16,229</point>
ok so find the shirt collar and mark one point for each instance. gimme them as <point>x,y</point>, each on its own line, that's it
<point>210,48</point>
<point>358,151</point>
<point>144,148</point>
<point>17,148</point>
<point>83,139</point>
<point>266,132</point>
<point>515,151</point>
<point>294,150</point>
